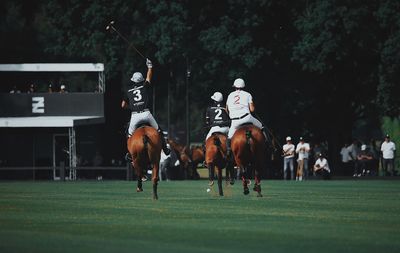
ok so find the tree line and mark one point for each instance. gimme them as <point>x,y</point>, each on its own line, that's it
<point>314,67</point>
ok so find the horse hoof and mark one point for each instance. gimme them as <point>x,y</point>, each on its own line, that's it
<point>139,189</point>
<point>232,182</point>
<point>246,191</point>
<point>257,188</point>
<point>155,197</point>
<point>259,195</point>
<point>211,183</point>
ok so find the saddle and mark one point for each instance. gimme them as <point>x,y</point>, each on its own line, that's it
<point>144,124</point>
<point>218,133</point>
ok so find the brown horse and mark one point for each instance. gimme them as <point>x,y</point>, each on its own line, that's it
<point>197,156</point>
<point>216,158</point>
<point>183,154</point>
<point>249,150</point>
<point>188,158</point>
<point>145,148</point>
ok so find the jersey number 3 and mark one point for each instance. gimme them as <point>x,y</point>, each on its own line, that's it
<point>218,114</point>
<point>138,95</point>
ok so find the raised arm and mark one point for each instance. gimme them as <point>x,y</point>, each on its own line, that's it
<point>149,75</point>
<point>124,104</point>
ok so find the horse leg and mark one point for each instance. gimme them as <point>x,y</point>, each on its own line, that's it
<point>257,183</point>
<point>210,174</point>
<point>230,173</point>
<point>220,182</point>
<point>155,179</point>
<point>245,182</point>
<point>139,175</point>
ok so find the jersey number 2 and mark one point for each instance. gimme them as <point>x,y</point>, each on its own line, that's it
<point>138,95</point>
<point>236,99</point>
<point>218,114</point>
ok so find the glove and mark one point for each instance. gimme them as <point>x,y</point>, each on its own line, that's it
<point>149,64</point>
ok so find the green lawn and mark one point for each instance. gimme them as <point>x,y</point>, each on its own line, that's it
<point>109,216</point>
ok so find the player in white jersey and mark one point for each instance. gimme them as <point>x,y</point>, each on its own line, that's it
<point>240,106</point>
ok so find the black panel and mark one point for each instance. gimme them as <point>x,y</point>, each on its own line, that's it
<point>55,104</point>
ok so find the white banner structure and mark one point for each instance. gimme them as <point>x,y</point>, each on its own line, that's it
<point>53,67</point>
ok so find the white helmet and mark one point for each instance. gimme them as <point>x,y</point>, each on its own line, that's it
<point>288,138</point>
<point>137,77</point>
<point>217,97</point>
<point>238,83</point>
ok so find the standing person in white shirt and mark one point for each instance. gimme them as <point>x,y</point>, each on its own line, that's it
<point>346,164</point>
<point>303,150</point>
<point>388,149</point>
<point>321,167</point>
<point>288,158</point>
<point>240,106</point>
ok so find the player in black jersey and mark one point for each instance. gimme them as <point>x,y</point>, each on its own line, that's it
<point>217,117</point>
<point>137,99</point>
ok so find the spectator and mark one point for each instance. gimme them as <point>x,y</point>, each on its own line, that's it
<point>288,158</point>
<point>363,163</point>
<point>346,160</point>
<point>63,89</point>
<point>15,90</point>
<point>321,167</point>
<point>32,88</point>
<point>302,149</point>
<point>50,88</point>
<point>388,149</point>
<point>353,152</point>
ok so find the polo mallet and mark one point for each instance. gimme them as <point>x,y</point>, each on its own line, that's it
<point>110,26</point>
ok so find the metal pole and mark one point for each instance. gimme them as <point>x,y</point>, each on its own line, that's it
<point>33,157</point>
<point>187,101</point>
<point>72,153</point>
<point>169,104</point>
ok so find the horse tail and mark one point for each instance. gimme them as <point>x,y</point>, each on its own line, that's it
<point>248,136</point>
<point>217,141</point>
<point>146,141</point>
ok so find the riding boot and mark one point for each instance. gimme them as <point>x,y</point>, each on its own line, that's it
<point>166,150</point>
<point>128,156</point>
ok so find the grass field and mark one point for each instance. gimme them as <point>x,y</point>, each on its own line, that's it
<point>109,216</point>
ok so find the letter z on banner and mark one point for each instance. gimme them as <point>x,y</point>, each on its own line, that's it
<point>37,104</point>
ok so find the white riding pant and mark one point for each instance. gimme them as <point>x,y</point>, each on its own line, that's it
<point>236,123</point>
<point>141,118</point>
<point>217,129</point>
